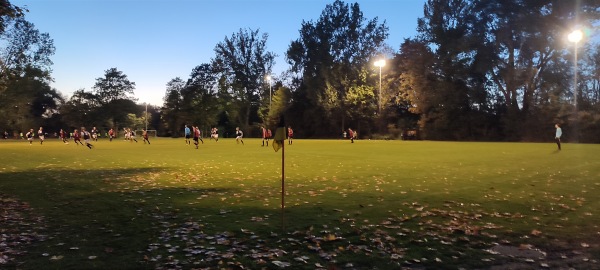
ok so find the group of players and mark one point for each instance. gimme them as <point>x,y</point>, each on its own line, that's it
<point>194,134</point>
<point>88,136</point>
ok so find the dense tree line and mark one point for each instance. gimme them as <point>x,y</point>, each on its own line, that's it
<point>477,70</point>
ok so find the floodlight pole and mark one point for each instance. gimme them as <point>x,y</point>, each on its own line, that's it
<point>380,64</point>
<point>270,91</point>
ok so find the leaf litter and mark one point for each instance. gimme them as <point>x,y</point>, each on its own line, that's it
<point>19,228</point>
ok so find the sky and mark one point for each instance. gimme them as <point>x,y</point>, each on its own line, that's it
<point>155,41</point>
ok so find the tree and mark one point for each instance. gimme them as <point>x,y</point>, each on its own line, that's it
<point>329,58</point>
<point>9,11</point>
<point>199,103</point>
<point>241,63</point>
<point>81,108</point>
<point>26,97</point>
<point>279,106</point>
<point>172,107</point>
<point>113,94</point>
<point>498,54</point>
<point>113,86</point>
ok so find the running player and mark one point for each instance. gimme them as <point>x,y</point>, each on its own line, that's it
<point>132,135</point>
<point>145,135</point>
<point>214,134</point>
<point>63,136</point>
<point>94,134</point>
<point>196,132</point>
<point>351,134</point>
<point>29,136</point>
<point>239,135</point>
<point>77,137</point>
<point>86,137</point>
<point>41,135</point>
<point>111,134</point>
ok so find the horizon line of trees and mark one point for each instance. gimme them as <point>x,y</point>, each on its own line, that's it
<point>478,70</point>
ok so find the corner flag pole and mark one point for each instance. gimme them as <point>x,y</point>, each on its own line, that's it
<point>283,186</point>
<point>279,143</point>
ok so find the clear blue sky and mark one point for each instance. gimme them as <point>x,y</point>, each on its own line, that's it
<point>154,41</point>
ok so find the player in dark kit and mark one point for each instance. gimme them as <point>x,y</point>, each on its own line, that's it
<point>63,136</point>
<point>77,137</point>
<point>196,132</point>
<point>86,137</point>
<point>145,135</point>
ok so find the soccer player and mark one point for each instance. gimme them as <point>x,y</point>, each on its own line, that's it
<point>239,135</point>
<point>77,137</point>
<point>132,135</point>
<point>86,137</point>
<point>290,135</point>
<point>63,136</point>
<point>145,135</point>
<point>351,135</point>
<point>214,134</point>
<point>111,134</point>
<point>94,134</point>
<point>29,136</point>
<point>188,133</point>
<point>196,132</point>
<point>265,136</point>
<point>41,135</point>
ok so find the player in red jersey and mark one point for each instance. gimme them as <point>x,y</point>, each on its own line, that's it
<point>77,137</point>
<point>290,132</point>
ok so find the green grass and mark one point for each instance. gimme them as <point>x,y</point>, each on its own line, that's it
<point>371,204</point>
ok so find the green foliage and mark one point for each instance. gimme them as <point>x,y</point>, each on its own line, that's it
<point>493,61</point>
<point>280,104</point>
<point>26,98</point>
<point>241,64</point>
<point>9,11</point>
<point>107,106</point>
<point>113,86</point>
<point>330,56</point>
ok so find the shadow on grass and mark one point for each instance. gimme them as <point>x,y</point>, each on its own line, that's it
<point>103,219</point>
<point>92,219</point>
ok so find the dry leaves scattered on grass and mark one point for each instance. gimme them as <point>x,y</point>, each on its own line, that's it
<point>19,227</point>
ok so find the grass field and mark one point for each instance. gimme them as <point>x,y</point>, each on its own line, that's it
<point>367,205</point>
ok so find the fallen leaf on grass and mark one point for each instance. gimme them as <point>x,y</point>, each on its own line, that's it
<point>281,264</point>
<point>536,232</point>
<point>56,258</point>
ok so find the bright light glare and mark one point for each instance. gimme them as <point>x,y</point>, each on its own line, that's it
<point>575,36</point>
<point>380,63</point>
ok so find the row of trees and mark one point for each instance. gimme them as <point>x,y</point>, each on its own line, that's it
<point>477,70</point>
